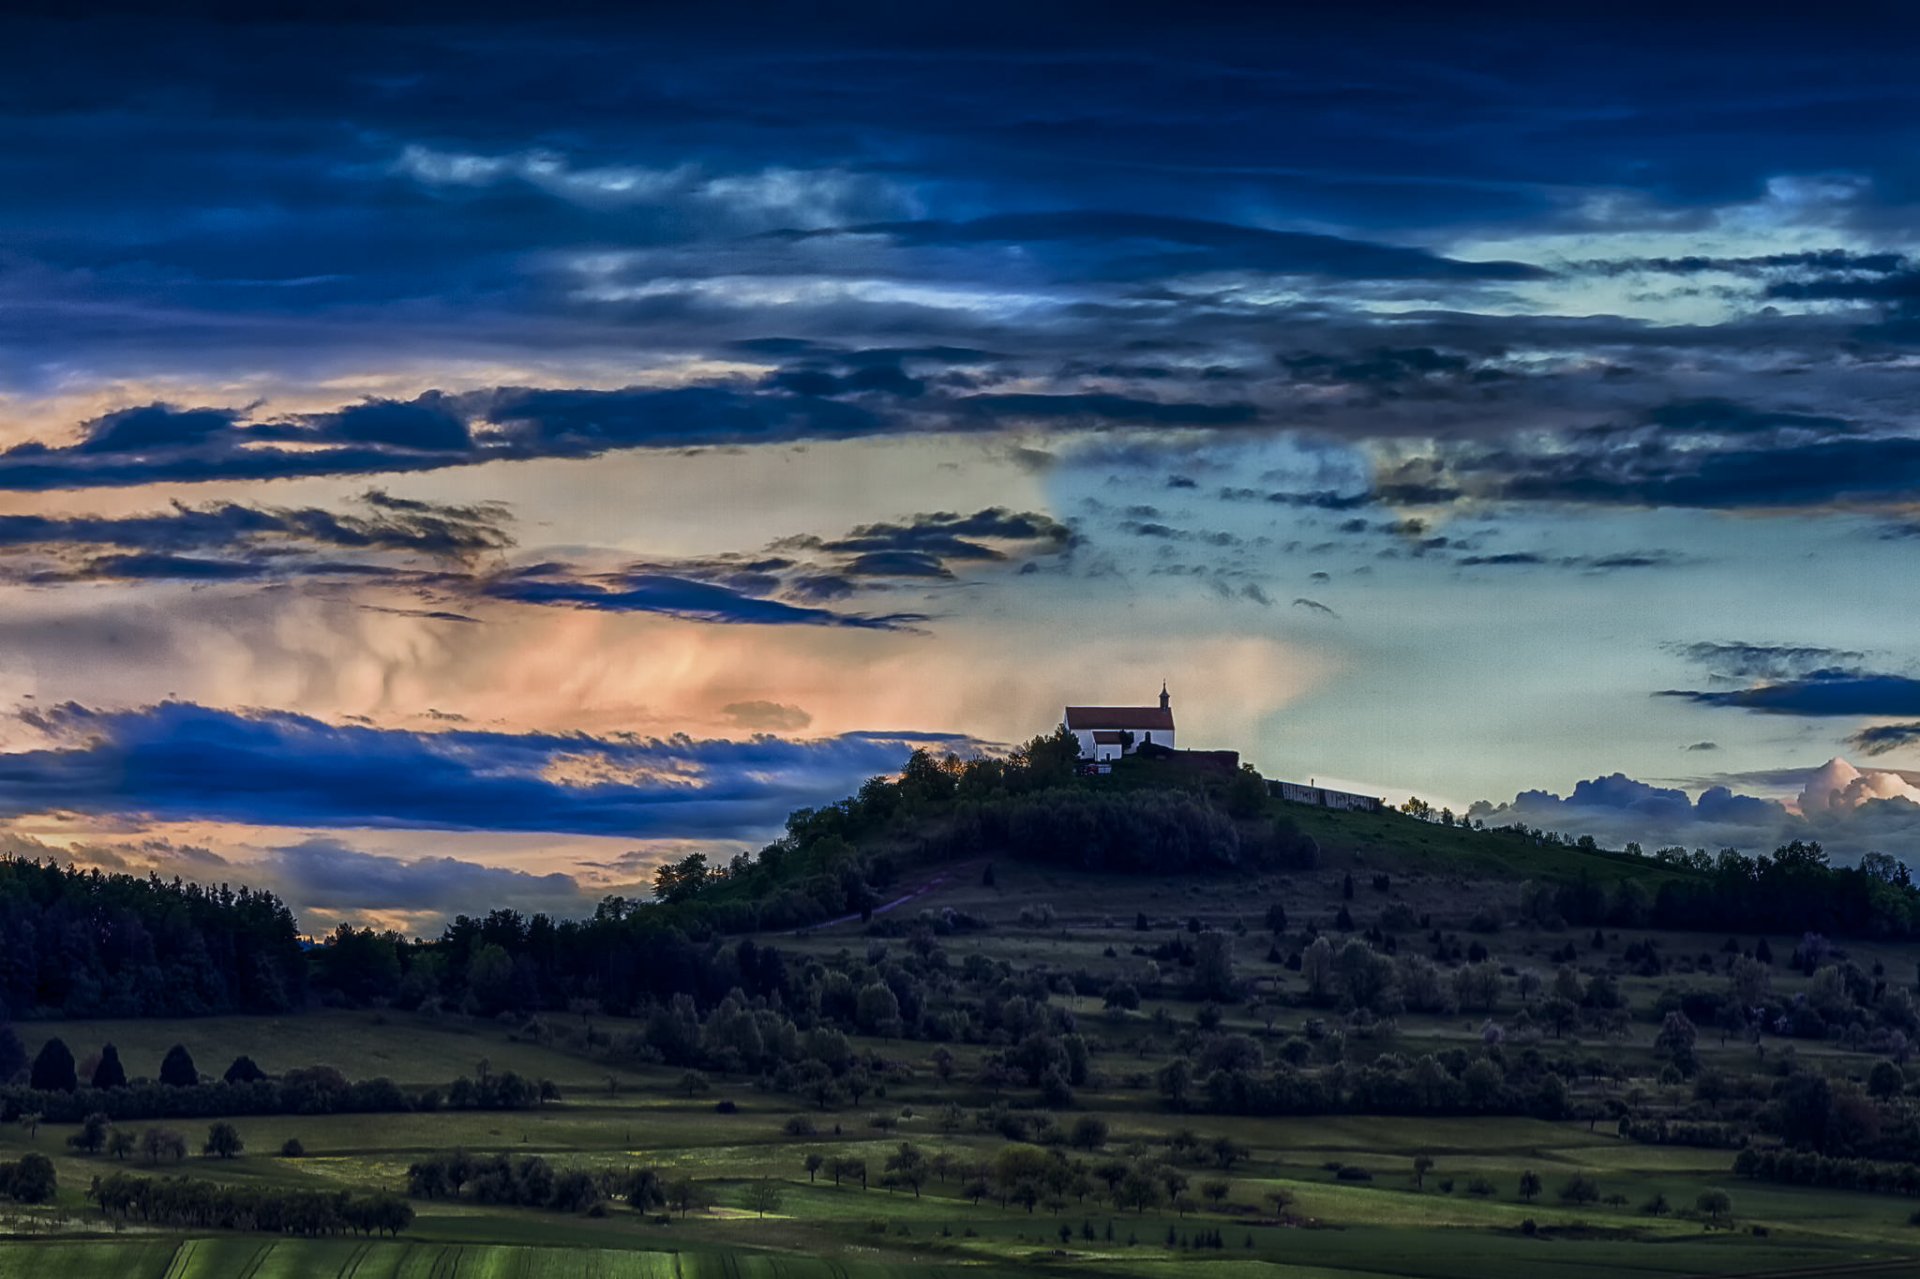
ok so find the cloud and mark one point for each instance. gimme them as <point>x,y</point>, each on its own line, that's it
<point>1129,244</point>
<point>1849,811</point>
<point>682,597</point>
<point>1314,606</point>
<point>771,717</point>
<point>386,523</point>
<point>330,877</point>
<point>1735,659</point>
<point>787,583</point>
<point>180,762</point>
<point>1838,786</point>
<point>946,536</point>
<point>1822,693</point>
<point>1882,739</point>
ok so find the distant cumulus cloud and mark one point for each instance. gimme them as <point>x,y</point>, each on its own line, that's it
<point>1848,810</point>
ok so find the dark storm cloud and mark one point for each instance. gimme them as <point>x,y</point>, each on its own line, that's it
<point>1863,471</point>
<point>948,536</point>
<point>1754,264</point>
<point>1824,693</point>
<point>387,524</point>
<point>786,584</point>
<point>672,596</point>
<point>1880,739</point>
<point>180,762</point>
<point>1582,563</point>
<point>902,222</point>
<point>1135,245</point>
<point>1796,679</point>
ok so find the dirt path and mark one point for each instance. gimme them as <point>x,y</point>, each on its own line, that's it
<point>951,872</point>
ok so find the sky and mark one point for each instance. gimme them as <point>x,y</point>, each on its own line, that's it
<point>454,459</point>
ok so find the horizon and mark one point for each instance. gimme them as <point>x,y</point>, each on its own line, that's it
<point>451,458</point>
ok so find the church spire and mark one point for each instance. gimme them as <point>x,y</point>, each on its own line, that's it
<point>1166,702</point>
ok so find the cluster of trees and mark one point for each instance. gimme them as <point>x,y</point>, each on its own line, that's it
<point>504,1091</point>
<point>54,1069</point>
<point>1806,1168</point>
<point>312,1090</point>
<point>309,1090</point>
<point>98,1132</point>
<point>29,1179</point>
<point>194,1204</point>
<point>79,943</point>
<point>1447,1083</point>
<point>1795,890</point>
<point>1680,1132</point>
<point>529,1182</point>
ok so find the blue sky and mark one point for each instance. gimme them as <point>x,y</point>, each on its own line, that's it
<point>649,424</point>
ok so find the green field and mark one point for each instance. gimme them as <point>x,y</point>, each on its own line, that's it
<point>617,1113</point>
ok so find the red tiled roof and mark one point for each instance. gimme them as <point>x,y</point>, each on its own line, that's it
<point>1081,718</point>
<point>1109,737</point>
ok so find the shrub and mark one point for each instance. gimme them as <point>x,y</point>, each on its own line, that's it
<point>292,1149</point>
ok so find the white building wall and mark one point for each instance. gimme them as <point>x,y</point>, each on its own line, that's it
<point>1089,750</point>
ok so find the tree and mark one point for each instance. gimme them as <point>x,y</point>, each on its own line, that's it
<point>1580,1190</point>
<point>1676,1041</point>
<point>684,1196</point>
<point>1227,1152</point>
<point>763,1197</point>
<point>1216,1190</point>
<point>33,1180</point>
<point>53,1068</point>
<point>1886,1080</point>
<point>1422,1165</point>
<point>1138,1190</point>
<point>908,1167</point>
<point>92,1134</point>
<point>109,1073</point>
<point>244,1071</point>
<point>693,1081</point>
<point>1089,1132</point>
<point>177,1069</point>
<point>1213,966</point>
<point>223,1141</point>
<point>162,1143</point>
<point>1716,1206</point>
<point>121,1143</point>
<point>1176,1081</point>
<point>1316,965</point>
<point>814,1161</point>
<point>1529,1185</point>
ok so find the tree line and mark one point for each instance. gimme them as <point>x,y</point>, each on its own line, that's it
<point>195,1204</point>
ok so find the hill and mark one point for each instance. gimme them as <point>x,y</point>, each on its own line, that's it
<point>1005,1017</point>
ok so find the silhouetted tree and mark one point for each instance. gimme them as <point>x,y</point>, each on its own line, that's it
<point>53,1068</point>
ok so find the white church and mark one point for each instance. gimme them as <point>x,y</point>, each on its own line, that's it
<point>1108,732</point>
